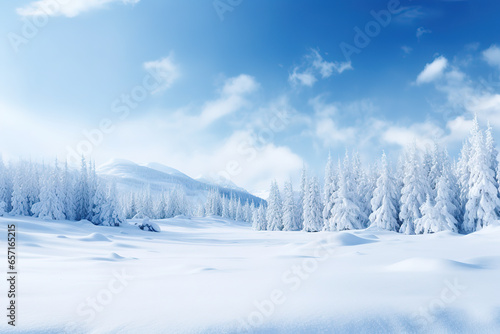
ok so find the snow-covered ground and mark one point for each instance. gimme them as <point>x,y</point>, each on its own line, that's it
<point>209,275</point>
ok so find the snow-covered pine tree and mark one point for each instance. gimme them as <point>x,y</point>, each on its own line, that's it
<point>428,218</point>
<point>50,205</point>
<point>452,193</point>
<point>110,215</point>
<point>68,194</point>
<point>303,190</point>
<point>483,202</point>
<point>99,201</point>
<point>3,188</point>
<point>225,207</point>
<point>328,191</point>
<point>385,201</point>
<point>259,222</point>
<point>240,213</point>
<point>248,212</point>
<point>289,208</point>
<point>32,182</point>
<point>360,186</point>
<point>20,202</point>
<point>313,218</point>
<point>346,213</point>
<point>436,166</point>
<point>82,193</point>
<point>463,176</point>
<point>274,214</point>
<point>446,209</point>
<point>415,190</point>
<point>161,206</point>
<point>492,151</point>
<point>441,215</point>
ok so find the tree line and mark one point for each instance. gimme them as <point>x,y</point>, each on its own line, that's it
<point>426,193</point>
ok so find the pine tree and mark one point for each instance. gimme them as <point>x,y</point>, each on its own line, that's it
<point>385,200</point>
<point>240,215</point>
<point>289,209</point>
<point>259,222</point>
<point>436,166</point>
<point>463,175</point>
<point>225,208</point>
<point>274,213</point>
<point>483,202</point>
<point>82,193</point>
<point>110,215</point>
<point>329,189</point>
<point>3,188</point>
<point>302,194</point>
<point>20,202</point>
<point>313,220</point>
<point>415,190</point>
<point>492,152</point>
<point>346,213</point>
<point>50,205</point>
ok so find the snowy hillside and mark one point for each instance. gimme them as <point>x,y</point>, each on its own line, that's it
<point>130,176</point>
<point>209,275</point>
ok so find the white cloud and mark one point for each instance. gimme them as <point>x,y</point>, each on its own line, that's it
<point>459,128</point>
<point>35,137</point>
<point>233,98</point>
<point>305,78</point>
<point>424,133</point>
<point>422,31</point>
<point>492,56</point>
<point>326,68</point>
<point>432,71</point>
<point>314,65</point>
<point>165,71</point>
<point>406,49</point>
<point>68,8</point>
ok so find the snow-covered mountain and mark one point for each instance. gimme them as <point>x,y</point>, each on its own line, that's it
<point>219,182</point>
<point>130,176</point>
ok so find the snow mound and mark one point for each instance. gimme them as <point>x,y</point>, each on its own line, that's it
<point>418,264</point>
<point>348,239</point>
<point>202,270</point>
<point>94,237</point>
<point>488,262</point>
<point>113,257</point>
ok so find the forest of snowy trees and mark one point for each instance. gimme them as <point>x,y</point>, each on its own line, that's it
<point>49,192</point>
<point>426,193</point>
<point>53,193</point>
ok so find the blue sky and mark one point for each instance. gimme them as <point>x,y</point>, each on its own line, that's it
<point>246,89</point>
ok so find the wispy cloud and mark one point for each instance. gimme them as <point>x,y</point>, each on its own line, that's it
<point>165,71</point>
<point>422,31</point>
<point>409,14</point>
<point>407,49</point>
<point>233,97</point>
<point>432,71</point>
<point>492,56</point>
<point>66,8</point>
<point>315,66</point>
